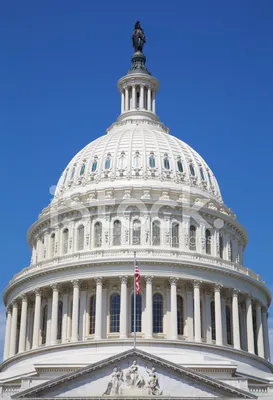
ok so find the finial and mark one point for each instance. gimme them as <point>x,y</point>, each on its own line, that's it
<point>138,38</point>
<point>138,60</point>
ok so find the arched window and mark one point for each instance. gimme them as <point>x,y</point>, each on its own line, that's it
<point>166,162</point>
<point>44,324</point>
<point>180,315</point>
<point>208,241</point>
<point>156,233</point>
<point>114,312</point>
<point>192,170</point>
<point>137,160</point>
<point>94,166</point>
<point>92,315</point>
<point>72,173</point>
<point>152,161</point>
<point>221,246</point>
<point>231,251</point>
<point>65,241</point>
<point>117,233</point>
<point>80,237</point>
<point>97,234</point>
<point>136,232</point>
<point>138,313</point>
<point>122,161</point>
<point>82,169</point>
<point>180,166</point>
<point>212,314</point>
<point>107,162</point>
<point>60,320</point>
<point>192,238</point>
<point>157,313</point>
<point>175,234</point>
<point>202,174</point>
<point>228,323</point>
<point>52,245</point>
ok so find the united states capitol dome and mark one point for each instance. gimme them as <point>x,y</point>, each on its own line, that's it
<point>138,151</point>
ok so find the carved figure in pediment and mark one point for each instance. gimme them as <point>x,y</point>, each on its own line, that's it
<point>113,387</point>
<point>153,383</point>
<point>133,379</point>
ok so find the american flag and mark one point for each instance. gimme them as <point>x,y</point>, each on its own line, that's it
<point>137,276</point>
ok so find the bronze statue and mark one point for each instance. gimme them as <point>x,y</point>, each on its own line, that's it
<point>138,38</point>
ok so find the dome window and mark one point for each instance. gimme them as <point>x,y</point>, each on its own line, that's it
<point>94,165</point>
<point>137,160</point>
<point>82,169</point>
<point>107,162</point>
<point>192,170</point>
<point>65,176</point>
<point>180,166</point>
<point>166,162</point>
<point>202,174</point>
<point>152,161</point>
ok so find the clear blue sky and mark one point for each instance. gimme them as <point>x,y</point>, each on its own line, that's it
<point>60,61</point>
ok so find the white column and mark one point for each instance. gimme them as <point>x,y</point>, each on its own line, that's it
<point>83,299</point>
<point>75,311</point>
<point>7,334</point>
<point>153,101</point>
<point>197,311</point>
<point>134,97</point>
<point>65,314</point>
<point>54,314</point>
<point>149,99</point>
<point>122,102</point>
<point>30,315</point>
<point>189,316</point>
<point>224,303</point>
<point>235,320</point>
<point>126,99</point>
<point>260,338</point>
<point>218,315</point>
<point>123,307</point>
<point>149,307</point>
<point>37,319</point>
<point>185,233</point>
<point>49,315</point>
<point>141,99</point>
<point>249,323</point>
<point>23,325</point>
<point>207,316</point>
<point>265,334</point>
<point>173,282</point>
<point>98,315</point>
<point>13,333</point>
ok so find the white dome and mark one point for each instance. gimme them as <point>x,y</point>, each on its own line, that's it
<point>129,145</point>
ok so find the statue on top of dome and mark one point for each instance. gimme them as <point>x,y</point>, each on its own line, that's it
<point>138,38</point>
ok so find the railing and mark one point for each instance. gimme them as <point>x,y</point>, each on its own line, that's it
<point>103,254</point>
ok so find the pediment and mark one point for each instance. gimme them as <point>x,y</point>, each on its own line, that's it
<point>134,374</point>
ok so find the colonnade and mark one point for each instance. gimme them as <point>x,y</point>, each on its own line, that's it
<point>204,315</point>
<point>138,97</point>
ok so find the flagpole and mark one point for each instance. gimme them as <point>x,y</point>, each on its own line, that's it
<point>134,299</point>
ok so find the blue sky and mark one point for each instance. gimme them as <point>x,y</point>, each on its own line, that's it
<point>60,61</point>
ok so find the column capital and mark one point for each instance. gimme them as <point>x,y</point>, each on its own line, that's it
<point>264,309</point>
<point>173,280</point>
<point>123,279</point>
<point>14,303</point>
<point>23,297</point>
<point>218,287</point>
<point>38,292</point>
<point>55,287</point>
<point>197,284</point>
<point>99,280</point>
<point>75,283</point>
<point>235,292</point>
<point>9,308</point>
<point>149,279</point>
